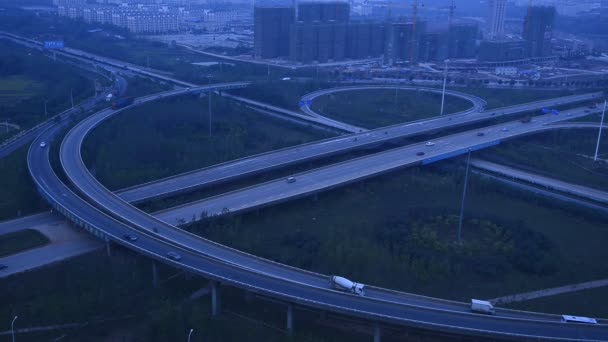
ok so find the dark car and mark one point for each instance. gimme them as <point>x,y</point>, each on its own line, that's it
<point>420,153</point>
<point>174,256</point>
<point>480,134</point>
<point>130,237</point>
<point>2,266</point>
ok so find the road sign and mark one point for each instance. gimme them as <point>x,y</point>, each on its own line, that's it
<point>54,44</point>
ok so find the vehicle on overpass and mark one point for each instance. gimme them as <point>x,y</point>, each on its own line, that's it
<point>343,284</point>
<point>482,306</point>
<point>578,319</point>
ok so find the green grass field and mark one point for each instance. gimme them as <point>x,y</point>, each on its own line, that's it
<point>563,154</point>
<point>590,303</point>
<point>174,138</point>
<point>379,108</point>
<point>20,241</point>
<point>18,88</point>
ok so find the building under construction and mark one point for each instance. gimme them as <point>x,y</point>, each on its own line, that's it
<point>538,30</point>
<point>271,31</point>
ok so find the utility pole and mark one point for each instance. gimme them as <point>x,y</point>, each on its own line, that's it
<point>209,102</point>
<point>72,97</point>
<point>13,327</point>
<point>445,77</point>
<point>46,114</point>
<point>599,134</point>
<point>464,194</point>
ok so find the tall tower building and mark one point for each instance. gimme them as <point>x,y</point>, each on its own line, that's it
<point>271,31</point>
<point>538,30</point>
<point>495,21</point>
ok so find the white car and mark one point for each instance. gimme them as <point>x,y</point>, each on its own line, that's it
<point>290,179</point>
<point>43,144</point>
<point>429,143</point>
<point>504,129</point>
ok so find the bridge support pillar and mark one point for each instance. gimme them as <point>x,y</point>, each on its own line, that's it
<point>290,319</point>
<point>215,298</point>
<point>377,332</point>
<point>109,248</point>
<point>154,274</point>
<point>248,297</point>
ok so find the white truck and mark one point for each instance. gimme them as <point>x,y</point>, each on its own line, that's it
<point>343,284</point>
<point>109,97</point>
<point>482,306</point>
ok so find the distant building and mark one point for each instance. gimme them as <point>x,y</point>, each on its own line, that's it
<point>506,71</point>
<point>433,46</point>
<point>495,21</point>
<point>272,31</point>
<point>538,30</point>
<point>401,41</point>
<point>502,50</point>
<point>462,40</point>
<point>324,32</point>
<point>323,12</point>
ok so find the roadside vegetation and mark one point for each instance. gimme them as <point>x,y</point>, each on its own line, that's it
<point>497,98</point>
<point>176,139</point>
<point>20,241</point>
<point>18,196</point>
<point>115,299</point>
<point>589,303</point>
<point>385,107</point>
<point>28,79</point>
<point>562,154</point>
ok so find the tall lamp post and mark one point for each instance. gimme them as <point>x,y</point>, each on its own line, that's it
<point>13,327</point>
<point>445,77</point>
<point>190,334</point>
<point>464,195</point>
<point>599,134</point>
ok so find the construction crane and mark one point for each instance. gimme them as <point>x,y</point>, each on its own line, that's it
<point>414,41</point>
<point>451,15</point>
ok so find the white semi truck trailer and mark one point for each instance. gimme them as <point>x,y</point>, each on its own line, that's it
<point>343,284</point>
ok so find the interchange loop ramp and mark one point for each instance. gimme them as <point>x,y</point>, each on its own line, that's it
<point>296,285</point>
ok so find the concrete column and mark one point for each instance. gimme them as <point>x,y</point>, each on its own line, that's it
<point>290,319</point>
<point>109,248</point>
<point>215,297</point>
<point>248,297</point>
<point>154,274</point>
<point>377,332</point>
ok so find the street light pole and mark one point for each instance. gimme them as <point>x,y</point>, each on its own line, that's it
<point>599,134</point>
<point>46,114</point>
<point>13,327</point>
<point>445,77</point>
<point>209,102</point>
<point>72,97</point>
<point>464,194</point>
<point>190,334</point>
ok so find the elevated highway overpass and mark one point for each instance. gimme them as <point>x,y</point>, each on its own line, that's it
<point>252,165</point>
<point>196,247</point>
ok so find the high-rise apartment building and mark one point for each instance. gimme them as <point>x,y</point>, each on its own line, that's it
<point>538,30</point>
<point>271,31</point>
<point>495,21</point>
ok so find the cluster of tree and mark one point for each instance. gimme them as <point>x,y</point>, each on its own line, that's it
<point>175,138</point>
<point>47,81</point>
<point>488,249</point>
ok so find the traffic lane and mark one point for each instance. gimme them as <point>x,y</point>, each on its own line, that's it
<point>332,175</point>
<point>258,163</point>
<point>193,180</point>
